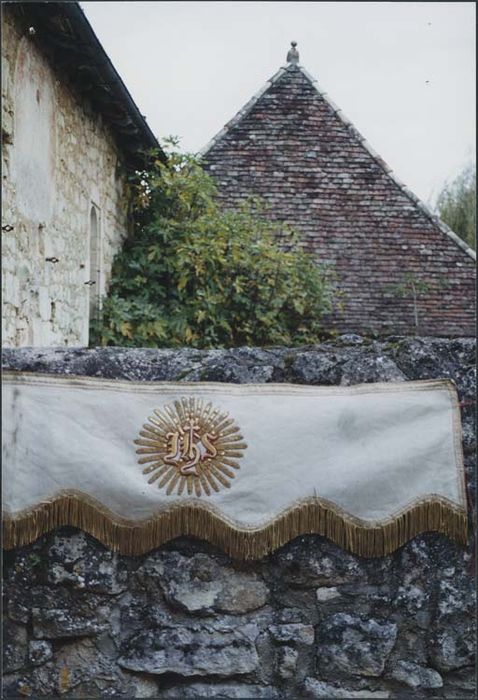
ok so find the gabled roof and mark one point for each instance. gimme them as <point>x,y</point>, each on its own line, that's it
<point>353,131</point>
<point>68,40</point>
<point>398,268</point>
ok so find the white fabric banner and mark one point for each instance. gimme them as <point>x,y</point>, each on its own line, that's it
<point>238,459</point>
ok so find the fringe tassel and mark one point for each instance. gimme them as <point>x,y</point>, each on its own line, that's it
<point>309,517</point>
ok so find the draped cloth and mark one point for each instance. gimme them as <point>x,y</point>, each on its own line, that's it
<point>246,467</point>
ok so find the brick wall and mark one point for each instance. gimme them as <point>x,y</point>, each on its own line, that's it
<point>292,147</point>
<point>59,160</point>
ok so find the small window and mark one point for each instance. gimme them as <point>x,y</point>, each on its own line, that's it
<point>94,281</point>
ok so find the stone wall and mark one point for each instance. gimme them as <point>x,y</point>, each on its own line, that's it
<point>294,148</point>
<point>308,621</point>
<point>59,160</point>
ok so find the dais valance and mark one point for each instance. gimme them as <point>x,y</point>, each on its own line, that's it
<point>245,467</point>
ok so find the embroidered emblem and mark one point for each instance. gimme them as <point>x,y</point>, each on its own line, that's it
<point>190,445</point>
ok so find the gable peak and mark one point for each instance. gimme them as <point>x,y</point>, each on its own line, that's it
<point>293,67</point>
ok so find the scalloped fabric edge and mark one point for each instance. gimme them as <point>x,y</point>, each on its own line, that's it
<point>313,516</point>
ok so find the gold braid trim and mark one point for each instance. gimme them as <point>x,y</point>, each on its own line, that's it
<point>311,516</point>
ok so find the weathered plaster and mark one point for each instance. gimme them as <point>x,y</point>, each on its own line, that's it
<point>34,154</point>
<point>59,158</point>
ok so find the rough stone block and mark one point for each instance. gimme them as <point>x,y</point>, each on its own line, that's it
<point>220,690</point>
<point>14,647</point>
<point>287,662</point>
<point>192,651</point>
<point>319,689</point>
<point>295,633</point>
<point>349,645</point>
<point>415,676</point>
<point>199,585</point>
<point>39,651</point>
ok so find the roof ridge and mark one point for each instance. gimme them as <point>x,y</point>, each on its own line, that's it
<point>243,111</point>
<point>441,225</point>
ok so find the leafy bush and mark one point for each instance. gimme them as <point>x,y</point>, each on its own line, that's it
<point>456,205</point>
<point>192,274</point>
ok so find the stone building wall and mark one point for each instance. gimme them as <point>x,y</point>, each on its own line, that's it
<point>59,161</point>
<point>295,149</point>
<point>308,621</point>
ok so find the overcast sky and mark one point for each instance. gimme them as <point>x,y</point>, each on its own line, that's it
<point>403,72</point>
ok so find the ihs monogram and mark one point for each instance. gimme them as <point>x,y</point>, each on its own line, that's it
<point>191,446</point>
<point>188,443</point>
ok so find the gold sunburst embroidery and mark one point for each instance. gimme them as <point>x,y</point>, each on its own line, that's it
<point>190,448</point>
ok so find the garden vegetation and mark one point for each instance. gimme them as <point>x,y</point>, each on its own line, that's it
<point>192,274</point>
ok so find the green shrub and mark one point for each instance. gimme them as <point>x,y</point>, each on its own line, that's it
<point>192,274</point>
<point>456,205</point>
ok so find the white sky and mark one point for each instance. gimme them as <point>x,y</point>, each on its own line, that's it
<point>403,72</point>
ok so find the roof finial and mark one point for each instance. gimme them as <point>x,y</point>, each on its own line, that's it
<point>293,54</point>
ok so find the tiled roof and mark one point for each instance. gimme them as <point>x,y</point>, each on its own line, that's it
<point>292,145</point>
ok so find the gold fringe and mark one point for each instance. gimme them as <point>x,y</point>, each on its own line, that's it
<point>313,516</point>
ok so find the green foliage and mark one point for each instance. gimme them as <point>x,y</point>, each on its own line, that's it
<point>414,288</point>
<point>456,205</point>
<point>34,560</point>
<point>194,275</point>
<point>410,284</point>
